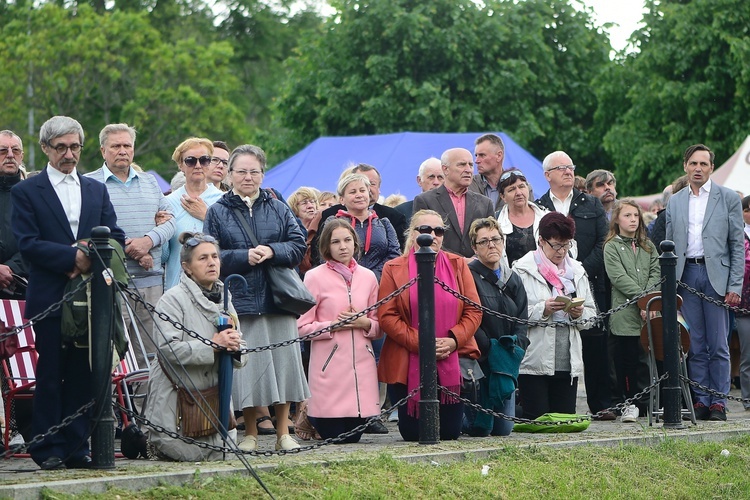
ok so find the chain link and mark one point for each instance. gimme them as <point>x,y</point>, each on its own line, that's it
<point>214,345</point>
<point>714,392</point>
<point>266,453</point>
<point>712,300</point>
<point>599,317</point>
<point>18,448</point>
<point>15,330</point>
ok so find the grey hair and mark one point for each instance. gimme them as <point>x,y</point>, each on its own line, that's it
<point>426,163</point>
<point>348,179</point>
<point>248,149</point>
<point>186,251</point>
<point>10,133</point>
<point>58,126</point>
<point>599,175</point>
<point>115,128</point>
<point>546,164</point>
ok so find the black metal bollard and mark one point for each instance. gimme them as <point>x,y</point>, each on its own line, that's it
<point>672,389</point>
<point>429,405</point>
<point>102,302</point>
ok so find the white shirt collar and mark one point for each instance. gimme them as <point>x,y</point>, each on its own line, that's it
<point>56,177</point>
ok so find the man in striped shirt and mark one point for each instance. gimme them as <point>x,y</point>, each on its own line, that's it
<point>137,200</point>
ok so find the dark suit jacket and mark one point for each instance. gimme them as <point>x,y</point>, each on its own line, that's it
<point>477,207</point>
<point>396,218</point>
<point>44,236</point>
<point>406,209</point>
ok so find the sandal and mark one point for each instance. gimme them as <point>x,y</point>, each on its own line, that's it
<point>265,431</point>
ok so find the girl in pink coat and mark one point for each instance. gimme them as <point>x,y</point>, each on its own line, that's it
<point>343,377</point>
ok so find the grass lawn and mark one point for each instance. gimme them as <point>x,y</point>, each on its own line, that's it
<point>673,469</point>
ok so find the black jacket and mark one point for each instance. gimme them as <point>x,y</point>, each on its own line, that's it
<point>505,296</point>
<point>9,254</point>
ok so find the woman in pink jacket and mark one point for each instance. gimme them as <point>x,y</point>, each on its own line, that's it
<point>343,377</point>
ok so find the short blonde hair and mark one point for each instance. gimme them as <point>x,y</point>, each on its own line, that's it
<point>413,225</point>
<point>300,195</point>
<point>394,200</point>
<point>348,179</point>
<point>190,143</point>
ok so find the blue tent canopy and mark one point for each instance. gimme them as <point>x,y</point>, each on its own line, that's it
<point>396,156</point>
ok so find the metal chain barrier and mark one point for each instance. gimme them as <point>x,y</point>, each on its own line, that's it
<point>214,345</point>
<point>266,453</point>
<point>714,392</point>
<point>528,322</point>
<point>18,448</point>
<point>15,330</point>
<point>712,300</point>
<point>582,418</point>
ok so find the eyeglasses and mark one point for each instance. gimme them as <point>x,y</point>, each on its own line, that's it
<point>572,168</point>
<point>307,202</point>
<point>496,242</point>
<point>512,173</point>
<point>216,160</point>
<point>192,161</point>
<point>245,173</point>
<point>558,246</point>
<point>438,230</point>
<point>63,148</point>
<point>199,238</point>
<point>15,151</point>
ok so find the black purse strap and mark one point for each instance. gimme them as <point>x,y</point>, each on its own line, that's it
<point>244,223</point>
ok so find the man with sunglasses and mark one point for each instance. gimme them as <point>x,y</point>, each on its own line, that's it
<point>51,211</point>
<point>12,268</point>
<point>137,200</point>
<point>455,202</point>
<point>591,229</point>
<point>489,153</point>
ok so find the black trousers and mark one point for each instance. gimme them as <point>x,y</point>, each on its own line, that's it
<point>542,394</point>
<point>451,417</point>
<point>596,375</point>
<point>630,369</point>
<point>333,427</point>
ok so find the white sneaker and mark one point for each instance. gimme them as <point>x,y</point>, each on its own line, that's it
<point>630,414</point>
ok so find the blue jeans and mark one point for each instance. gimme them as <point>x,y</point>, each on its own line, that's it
<point>501,426</point>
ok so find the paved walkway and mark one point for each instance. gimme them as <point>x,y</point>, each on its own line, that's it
<point>21,478</point>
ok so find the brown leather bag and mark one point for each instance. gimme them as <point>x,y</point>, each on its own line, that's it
<point>197,412</point>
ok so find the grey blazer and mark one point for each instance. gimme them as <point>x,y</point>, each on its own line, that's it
<point>477,206</point>
<point>723,234</point>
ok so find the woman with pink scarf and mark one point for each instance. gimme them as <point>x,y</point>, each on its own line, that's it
<point>455,325</point>
<point>549,372</point>
<point>343,379</point>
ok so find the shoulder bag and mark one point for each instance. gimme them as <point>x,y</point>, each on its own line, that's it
<point>289,293</point>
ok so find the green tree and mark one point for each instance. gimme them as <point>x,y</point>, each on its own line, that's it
<point>688,84</point>
<point>522,67</point>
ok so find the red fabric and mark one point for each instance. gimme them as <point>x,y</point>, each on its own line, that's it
<point>368,237</point>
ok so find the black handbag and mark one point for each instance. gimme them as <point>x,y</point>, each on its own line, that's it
<point>289,293</point>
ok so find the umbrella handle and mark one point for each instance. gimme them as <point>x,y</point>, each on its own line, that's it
<point>242,283</point>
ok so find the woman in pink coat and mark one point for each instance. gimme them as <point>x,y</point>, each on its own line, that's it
<point>343,377</point>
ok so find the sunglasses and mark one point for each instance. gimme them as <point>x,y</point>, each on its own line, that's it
<point>510,174</point>
<point>192,161</point>
<point>199,238</point>
<point>439,230</point>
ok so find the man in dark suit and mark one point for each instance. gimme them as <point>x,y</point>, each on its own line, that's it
<point>51,211</point>
<point>591,229</point>
<point>430,177</point>
<point>397,220</point>
<point>454,202</point>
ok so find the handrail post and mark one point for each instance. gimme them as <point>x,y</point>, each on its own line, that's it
<point>672,388</point>
<point>102,304</point>
<point>429,405</point>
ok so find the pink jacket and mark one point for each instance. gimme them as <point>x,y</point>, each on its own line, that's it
<point>343,378</point>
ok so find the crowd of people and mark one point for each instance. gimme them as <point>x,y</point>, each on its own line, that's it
<point>574,252</point>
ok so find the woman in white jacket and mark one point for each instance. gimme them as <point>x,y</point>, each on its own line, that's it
<point>549,372</point>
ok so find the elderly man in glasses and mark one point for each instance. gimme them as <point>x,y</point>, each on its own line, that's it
<point>51,211</point>
<point>12,266</point>
<point>137,200</point>
<point>591,229</point>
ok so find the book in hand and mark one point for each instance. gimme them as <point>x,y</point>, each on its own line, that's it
<point>570,301</point>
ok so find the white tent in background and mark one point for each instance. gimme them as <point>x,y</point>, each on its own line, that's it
<point>735,172</point>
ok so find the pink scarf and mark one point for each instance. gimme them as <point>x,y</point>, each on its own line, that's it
<point>344,271</point>
<point>368,237</point>
<point>446,317</point>
<point>561,278</point>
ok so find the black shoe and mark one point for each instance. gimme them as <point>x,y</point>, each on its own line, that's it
<point>376,427</point>
<point>83,462</point>
<point>701,411</point>
<point>53,463</point>
<point>604,415</point>
<point>718,412</point>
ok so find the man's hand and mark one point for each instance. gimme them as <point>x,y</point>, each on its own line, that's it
<point>6,276</point>
<point>82,265</point>
<point>146,262</point>
<point>194,206</point>
<point>161,217</point>
<point>732,299</point>
<point>137,248</point>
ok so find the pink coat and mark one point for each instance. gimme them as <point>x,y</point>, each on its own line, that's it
<point>343,377</point>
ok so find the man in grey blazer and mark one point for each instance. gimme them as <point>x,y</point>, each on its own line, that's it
<point>705,223</point>
<point>454,202</point>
